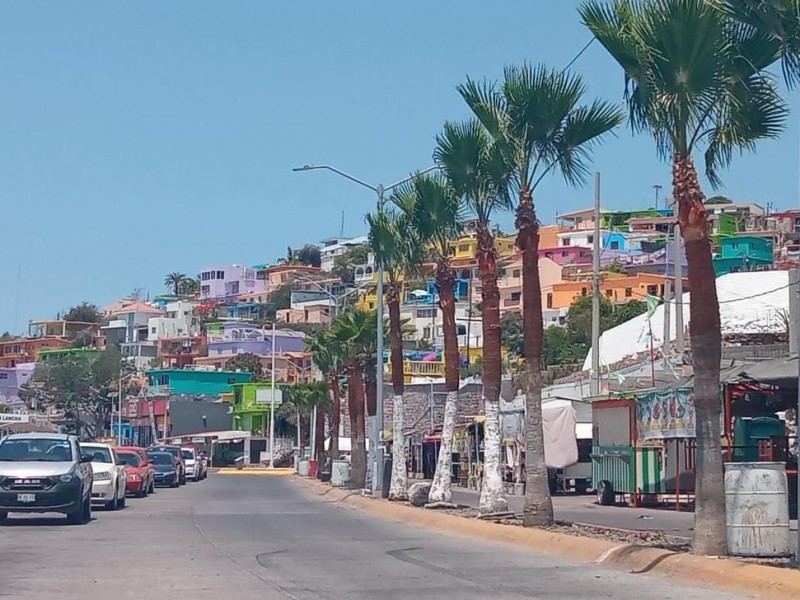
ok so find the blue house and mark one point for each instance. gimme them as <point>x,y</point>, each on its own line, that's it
<point>743,253</point>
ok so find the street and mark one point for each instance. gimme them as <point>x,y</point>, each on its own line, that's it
<point>244,537</point>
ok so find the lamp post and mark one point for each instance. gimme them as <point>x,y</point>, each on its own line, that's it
<point>375,430</point>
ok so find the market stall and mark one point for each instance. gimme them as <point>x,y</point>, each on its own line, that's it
<point>644,446</point>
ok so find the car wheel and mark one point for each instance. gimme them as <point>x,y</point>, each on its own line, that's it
<point>3,516</point>
<point>174,484</point>
<point>122,501</point>
<point>142,492</point>
<point>152,489</point>
<point>605,493</point>
<point>79,515</point>
<point>87,509</point>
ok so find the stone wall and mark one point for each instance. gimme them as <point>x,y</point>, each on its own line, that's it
<point>417,399</point>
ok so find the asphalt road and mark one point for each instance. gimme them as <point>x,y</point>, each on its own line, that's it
<point>267,537</point>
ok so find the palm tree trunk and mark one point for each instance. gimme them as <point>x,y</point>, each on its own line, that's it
<point>398,487</point>
<point>446,283</point>
<point>336,415</point>
<point>706,337</point>
<point>358,446</point>
<point>492,497</point>
<point>538,508</point>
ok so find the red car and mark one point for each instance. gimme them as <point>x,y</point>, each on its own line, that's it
<point>140,473</point>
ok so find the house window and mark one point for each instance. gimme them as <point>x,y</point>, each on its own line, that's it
<point>220,274</point>
<point>163,379</point>
<point>628,292</point>
<point>735,245</point>
<point>3,375</point>
<point>548,255</point>
<point>578,220</point>
<point>153,329</point>
<point>515,273</point>
<point>565,241</point>
<point>583,291</point>
<point>205,276</point>
<point>515,296</point>
<point>614,245</point>
<point>549,300</point>
<point>610,293</point>
<point>652,290</point>
<point>564,254</point>
<point>463,247</point>
<point>590,239</point>
<point>426,313</point>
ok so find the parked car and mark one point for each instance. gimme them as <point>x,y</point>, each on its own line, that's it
<point>144,465</point>
<point>166,468</point>
<point>176,452</point>
<point>110,480</point>
<point>45,472</point>
<point>140,476</point>
<point>195,466</point>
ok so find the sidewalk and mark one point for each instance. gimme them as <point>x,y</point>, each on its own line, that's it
<point>582,509</point>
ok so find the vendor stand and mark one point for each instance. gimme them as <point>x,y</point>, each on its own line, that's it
<point>643,446</point>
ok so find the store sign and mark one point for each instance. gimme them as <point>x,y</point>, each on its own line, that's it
<point>14,418</point>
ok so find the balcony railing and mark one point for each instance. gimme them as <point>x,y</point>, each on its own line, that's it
<point>421,368</point>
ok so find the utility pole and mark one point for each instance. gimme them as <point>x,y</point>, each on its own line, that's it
<point>657,188</point>
<point>272,405</point>
<point>794,346</point>
<point>666,335</point>
<point>595,380</point>
<point>678,271</point>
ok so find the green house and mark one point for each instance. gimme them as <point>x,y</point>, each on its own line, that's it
<point>195,382</point>
<point>251,406</point>
<point>46,356</point>
<point>743,253</point>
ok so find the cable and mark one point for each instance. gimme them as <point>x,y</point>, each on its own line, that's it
<point>783,287</point>
<point>578,55</point>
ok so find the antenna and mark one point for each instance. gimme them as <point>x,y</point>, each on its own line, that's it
<point>16,303</point>
<point>341,229</point>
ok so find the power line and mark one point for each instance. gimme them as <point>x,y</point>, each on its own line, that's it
<point>579,54</point>
<point>777,289</point>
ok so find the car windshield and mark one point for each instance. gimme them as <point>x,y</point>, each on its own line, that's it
<point>188,454</point>
<point>32,449</point>
<point>161,458</point>
<point>100,454</point>
<point>131,459</point>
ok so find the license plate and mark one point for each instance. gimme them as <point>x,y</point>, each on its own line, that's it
<point>26,497</point>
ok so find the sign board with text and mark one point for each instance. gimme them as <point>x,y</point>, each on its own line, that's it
<point>264,396</point>
<point>14,418</point>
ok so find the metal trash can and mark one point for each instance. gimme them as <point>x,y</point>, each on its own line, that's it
<point>757,509</point>
<point>239,463</point>
<point>303,468</point>
<point>387,476</point>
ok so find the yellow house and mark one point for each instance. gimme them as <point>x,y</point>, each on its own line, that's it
<point>466,247</point>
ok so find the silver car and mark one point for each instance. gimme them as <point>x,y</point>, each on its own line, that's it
<point>45,472</point>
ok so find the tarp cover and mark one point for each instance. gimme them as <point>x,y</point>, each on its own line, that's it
<point>558,418</point>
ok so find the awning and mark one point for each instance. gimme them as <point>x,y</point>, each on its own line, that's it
<point>781,372</point>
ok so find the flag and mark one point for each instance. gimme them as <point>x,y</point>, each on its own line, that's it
<point>652,304</point>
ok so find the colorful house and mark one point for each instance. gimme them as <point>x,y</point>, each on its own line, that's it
<point>616,288</point>
<point>193,382</point>
<point>743,253</point>
<point>252,406</point>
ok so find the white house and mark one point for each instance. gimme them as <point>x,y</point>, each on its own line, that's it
<point>333,247</point>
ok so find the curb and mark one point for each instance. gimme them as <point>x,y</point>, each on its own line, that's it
<point>261,472</point>
<point>717,573</point>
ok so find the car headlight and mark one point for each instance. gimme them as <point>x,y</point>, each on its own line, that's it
<point>102,476</point>
<point>169,472</point>
<point>133,477</point>
<point>67,477</point>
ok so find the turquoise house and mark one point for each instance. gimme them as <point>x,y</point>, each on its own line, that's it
<point>195,382</point>
<point>743,253</point>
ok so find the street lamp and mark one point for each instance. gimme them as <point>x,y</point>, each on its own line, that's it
<point>375,433</point>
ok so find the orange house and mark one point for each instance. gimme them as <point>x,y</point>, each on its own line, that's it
<point>616,288</point>
<point>22,350</point>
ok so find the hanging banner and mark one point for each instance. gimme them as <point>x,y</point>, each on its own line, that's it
<point>665,414</point>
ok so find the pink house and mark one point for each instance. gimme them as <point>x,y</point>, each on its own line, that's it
<point>567,255</point>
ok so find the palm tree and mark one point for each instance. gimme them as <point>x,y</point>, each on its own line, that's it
<point>355,330</point>
<point>327,355</point>
<point>479,174</point>
<point>189,286</point>
<point>536,120</point>
<point>173,282</point>
<point>434,210</point>
<point>723,101</point>
<point>394,245</point>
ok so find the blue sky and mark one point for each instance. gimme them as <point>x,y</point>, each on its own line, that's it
<point>146,137</point>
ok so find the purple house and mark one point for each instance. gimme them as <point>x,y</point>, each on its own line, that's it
<point>229,282</point>
<point>11,379</point>
<point>237,337</point>
<point>567,255</point>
